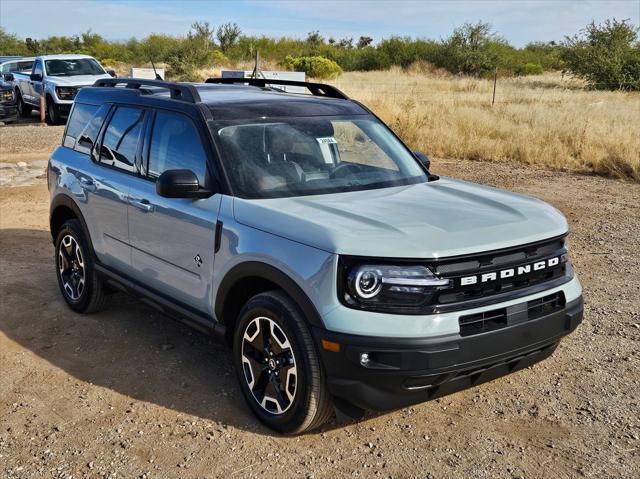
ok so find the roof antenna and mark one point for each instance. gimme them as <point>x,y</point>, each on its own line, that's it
<point>158,77</point>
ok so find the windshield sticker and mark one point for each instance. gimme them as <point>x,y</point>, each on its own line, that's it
<point>327,140</point>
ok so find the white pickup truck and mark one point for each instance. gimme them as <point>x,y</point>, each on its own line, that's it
<point>58,78</point>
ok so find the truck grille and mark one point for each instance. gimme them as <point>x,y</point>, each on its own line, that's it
<point>487,321</point>
<point>477,278</point>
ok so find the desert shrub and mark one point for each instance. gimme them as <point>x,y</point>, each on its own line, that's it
<point>607,56</point>
<point>315,67</point>
<point>530,69</point>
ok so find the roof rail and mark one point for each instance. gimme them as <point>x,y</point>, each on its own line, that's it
<point>178,91</point>
<point>316,89</point>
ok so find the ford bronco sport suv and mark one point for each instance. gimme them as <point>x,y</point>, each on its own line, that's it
<point>303,231</point>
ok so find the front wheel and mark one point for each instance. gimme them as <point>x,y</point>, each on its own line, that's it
<point>53,112</point>
<point>278,367</point>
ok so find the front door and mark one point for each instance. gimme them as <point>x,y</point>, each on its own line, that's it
<point>172,239</point>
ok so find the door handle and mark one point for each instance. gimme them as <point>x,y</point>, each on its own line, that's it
<point>142,204</point>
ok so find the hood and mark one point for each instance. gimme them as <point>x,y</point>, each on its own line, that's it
<point>428,220</point>
<point>77,80</point>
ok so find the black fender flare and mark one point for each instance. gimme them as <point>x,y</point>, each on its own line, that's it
<point>64,200</point>
<point>274,275</point>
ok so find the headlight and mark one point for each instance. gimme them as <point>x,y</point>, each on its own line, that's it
<point>66,93</point>
<point>7,95</point>
<point>390,287</point>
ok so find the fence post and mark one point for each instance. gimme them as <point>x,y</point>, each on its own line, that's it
<point>495,80</point>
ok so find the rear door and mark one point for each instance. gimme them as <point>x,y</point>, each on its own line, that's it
<point>114,167</point>
<point>173,239</point>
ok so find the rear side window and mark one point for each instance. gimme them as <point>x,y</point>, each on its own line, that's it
<point>86,140</point>
<point>78,121</point>
<point>175,144</point>
<point>121,139</point>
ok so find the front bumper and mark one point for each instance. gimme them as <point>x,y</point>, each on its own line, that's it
<point>8,111</point>
<point>401,372</point>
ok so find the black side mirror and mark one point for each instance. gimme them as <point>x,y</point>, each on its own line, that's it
<point>36,77</point>
<point>180,184</point>
<point>8,77</point>
<point>112,73</point>
<point>424,159</point>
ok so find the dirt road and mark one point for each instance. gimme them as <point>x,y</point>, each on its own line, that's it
<point>129,393</point>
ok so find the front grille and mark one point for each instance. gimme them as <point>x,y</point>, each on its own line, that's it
<point>494,319</point>
<point>516,263</point>
<point>483,322</point>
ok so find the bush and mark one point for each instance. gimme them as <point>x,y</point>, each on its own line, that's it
<point>315,67</point>
<point>530,69</point>
<point>606,55</point>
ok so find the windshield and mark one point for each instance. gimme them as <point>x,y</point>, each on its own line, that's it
<point>310,156</point>
<point>73,67</point>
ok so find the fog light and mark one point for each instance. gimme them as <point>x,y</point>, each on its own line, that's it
<point>364,359</point>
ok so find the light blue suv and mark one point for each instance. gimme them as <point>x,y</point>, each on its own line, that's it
<point>343,274</point>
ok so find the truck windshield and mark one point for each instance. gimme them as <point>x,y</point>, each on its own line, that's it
<point>73,67</point>
<point>311,156</point>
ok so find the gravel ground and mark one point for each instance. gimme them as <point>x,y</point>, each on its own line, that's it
<point>28,141</point>
<point>128,393</point>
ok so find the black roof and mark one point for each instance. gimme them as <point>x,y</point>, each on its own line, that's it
<point>225,101</point>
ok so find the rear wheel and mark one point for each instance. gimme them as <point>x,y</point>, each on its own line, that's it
<point>278,367</point>
<point>81,287</point>
<point>24,110</point>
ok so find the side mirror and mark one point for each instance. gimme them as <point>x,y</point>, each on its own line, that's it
<point>112,73</point>
<point>180,184</point>
<point>8,77</point>
<point>36,77</point>
<point>424,159</point>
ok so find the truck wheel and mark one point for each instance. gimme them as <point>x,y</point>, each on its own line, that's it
<point>24,110</point>
<point>278,367</point>
<point>52,112</point>
<point>81,287</point>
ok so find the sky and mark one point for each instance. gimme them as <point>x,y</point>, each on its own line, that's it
<point>519,21</point>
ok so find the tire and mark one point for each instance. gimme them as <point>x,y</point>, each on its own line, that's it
<point>80,285</point>
<point>24,110</point>
<point>303,402</point>
<point>53,115</point>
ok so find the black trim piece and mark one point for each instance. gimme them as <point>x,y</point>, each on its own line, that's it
<point>189,315</point>
<point>265,271</point>
<point>178,91</point>
<point>218,236</point>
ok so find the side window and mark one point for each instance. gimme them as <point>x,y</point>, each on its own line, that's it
<point>175,144</point>
<point>37,69</point>
<point>121,139</point>
<point>6,68</point>
<point>83,126</point>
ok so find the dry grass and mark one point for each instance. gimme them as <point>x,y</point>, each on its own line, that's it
<point>545,120</point>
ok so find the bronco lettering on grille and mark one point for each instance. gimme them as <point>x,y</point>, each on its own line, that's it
<point>510,272</point>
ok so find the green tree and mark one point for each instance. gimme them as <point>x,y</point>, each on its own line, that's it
<point>228,35</point>
<point>471,49</point>
<point>606,55</point>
